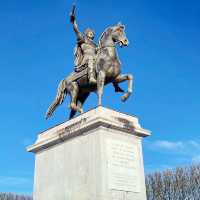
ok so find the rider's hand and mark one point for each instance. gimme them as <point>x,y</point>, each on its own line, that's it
<point>72,14</point>
<point>72,18</point>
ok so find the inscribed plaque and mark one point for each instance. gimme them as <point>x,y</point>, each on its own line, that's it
<point>122,165</point>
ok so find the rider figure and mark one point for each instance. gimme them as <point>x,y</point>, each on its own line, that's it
<point>85,50</point>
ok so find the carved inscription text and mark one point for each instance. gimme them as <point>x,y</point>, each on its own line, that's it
<point>123,169</point>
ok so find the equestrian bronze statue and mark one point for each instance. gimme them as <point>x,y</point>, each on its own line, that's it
<point>95,66</point>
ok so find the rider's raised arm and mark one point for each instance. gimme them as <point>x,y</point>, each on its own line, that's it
<point>74,24</point>
<point>78,33</point>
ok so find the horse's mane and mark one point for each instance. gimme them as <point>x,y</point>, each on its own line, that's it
<point>107,31</point>
<point>103,35</point>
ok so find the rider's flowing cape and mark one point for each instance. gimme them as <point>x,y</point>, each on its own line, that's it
<point>79,69</point>
<point>78,54</point>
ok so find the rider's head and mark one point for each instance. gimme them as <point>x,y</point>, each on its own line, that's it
<point>89,33</point>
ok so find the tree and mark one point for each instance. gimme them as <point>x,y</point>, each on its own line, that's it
<point>11,196</point>
<point>183,183</point>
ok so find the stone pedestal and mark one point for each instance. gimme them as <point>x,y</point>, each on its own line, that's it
<point>95,156</point>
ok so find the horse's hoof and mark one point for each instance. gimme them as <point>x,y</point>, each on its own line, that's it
<point>81,110</point>
<point>125,97</point>
<point>73,106</point>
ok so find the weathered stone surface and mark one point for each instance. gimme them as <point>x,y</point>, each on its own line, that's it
<point>96,156</point>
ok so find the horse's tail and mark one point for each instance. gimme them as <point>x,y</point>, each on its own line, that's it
<point>60,96</point>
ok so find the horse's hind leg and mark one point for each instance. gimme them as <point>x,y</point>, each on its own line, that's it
<point>122,78</point>
<point>73,91</point>
<point>81,100</point>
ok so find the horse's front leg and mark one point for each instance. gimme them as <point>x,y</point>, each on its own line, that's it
<point>122,78</point>
<point>100,85</point>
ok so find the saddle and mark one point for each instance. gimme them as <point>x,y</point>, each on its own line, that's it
<point>77,74</point>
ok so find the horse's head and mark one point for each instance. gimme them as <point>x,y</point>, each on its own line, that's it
<point>118,35</point>
<point>114,35</point>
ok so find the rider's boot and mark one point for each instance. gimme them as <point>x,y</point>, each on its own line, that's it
<point>92,80</point>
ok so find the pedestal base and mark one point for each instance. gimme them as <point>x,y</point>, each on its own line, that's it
<point>95,156</point>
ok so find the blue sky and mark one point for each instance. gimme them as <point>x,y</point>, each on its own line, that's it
<point>36,42</point>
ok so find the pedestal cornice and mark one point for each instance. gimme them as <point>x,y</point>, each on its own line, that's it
<point>90,120</point>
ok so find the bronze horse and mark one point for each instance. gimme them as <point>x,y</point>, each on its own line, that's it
<point>108,70</point>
